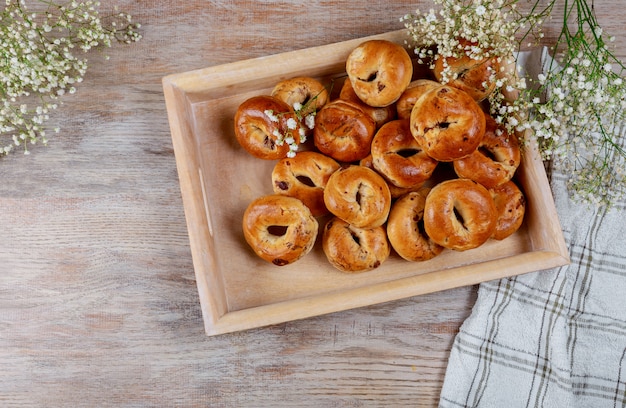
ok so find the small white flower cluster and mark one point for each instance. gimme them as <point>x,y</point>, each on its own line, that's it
<point>578,118</point>
<point>38,65</point>
<point>464,27</point>
<point>303,115</point>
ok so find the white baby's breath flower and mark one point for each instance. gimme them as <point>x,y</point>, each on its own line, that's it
<point>39,66</point>
<point>292,124</point>
<point>270,114</point>
<point>309,121</point>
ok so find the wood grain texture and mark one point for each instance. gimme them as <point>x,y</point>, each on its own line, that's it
<point>98,299</point>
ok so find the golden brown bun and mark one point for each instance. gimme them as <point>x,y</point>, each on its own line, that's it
<point>306,91</point>
<point>496,159</point>
<point>343,131</point>
<point>256,132</point>
<point>305,177</point>
<point>393,189</point>
<point>279,229</point>
<point>511,207</point>
<point>407,100</point>
<point>405,228</point>
<point>459,214</point>
<point>476,77</point>
<point>380,115</point>
<point>398,157</point>
<point>352,249</point>
<point>309,92</point>
<point>447,123</point>
<point>379,71</point>
<point>359,196</point>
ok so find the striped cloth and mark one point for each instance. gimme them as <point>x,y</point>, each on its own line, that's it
<point>554,338</point>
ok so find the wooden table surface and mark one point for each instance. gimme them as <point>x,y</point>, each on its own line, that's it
<point>98,299</point>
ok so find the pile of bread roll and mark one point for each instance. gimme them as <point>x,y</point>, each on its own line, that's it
<point>373,171</point>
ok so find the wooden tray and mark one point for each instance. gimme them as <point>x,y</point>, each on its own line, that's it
<point>218,179</point>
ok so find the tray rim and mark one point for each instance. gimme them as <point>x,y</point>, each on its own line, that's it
<point>186,88</point>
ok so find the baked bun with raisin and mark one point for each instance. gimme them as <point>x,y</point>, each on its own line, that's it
<point>261,121</point>
<point>511,207</point>
<point>405,228</point>
<point>477,77</point>
<point>306,91</point>
<point>279,229</point>
<point>359,196</point>
<point>407,100</point>
<point>381,115</point>
<point>447,123</point>
<point>398,157</point>
<point>305,94</point>
<point>343,131</point>
<point>459,214</point>
<point>495,160</point>
<point>393,189</point>
<point>304,177</point>
<point>379,71</point>
<point>352,249</point>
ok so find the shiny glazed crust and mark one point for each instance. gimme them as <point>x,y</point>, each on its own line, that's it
<point>279,229</point>
<point>305,177</point>
<point>398,157</point>
<point>393,189</point>
<point>407,100</point>
<point>405,229</point>
<point>476,77</point>
<point>447,123</point>
<point>379,71</point>
<point>459,214</point>
<point>495,160</point>
<point>306,91</point>
<point>343,131</point>
<point>256,132</point>
<point>381,115</point>
<point>352,249</point>
<point>359,196</point>
<point>511,207</point>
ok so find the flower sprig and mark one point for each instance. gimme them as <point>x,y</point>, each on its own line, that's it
<point>576,109</point>
<point>579,110</point>
<point>287,135</point>
<point>38,61</point>
<point>305,115</point>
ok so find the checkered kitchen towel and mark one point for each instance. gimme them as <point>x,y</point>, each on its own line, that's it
<point>554,338</point>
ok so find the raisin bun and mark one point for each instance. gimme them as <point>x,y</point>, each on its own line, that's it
<point>279,229</point>
<point>352,249</point>
<point>304,177</point>
<point>460,214</point>
<point>359,196</point>
<point>495,160</point>
<point>407,100</point>
<point>261,121</point>
<point>477,77</point>
<point>343,131</point>
<point>381,115</point>
<point>398,157</point>
<point>405,228</point>
<point>380,71</point>
<point>447,123</point>
<point>511,206</point>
